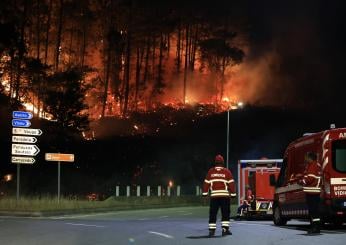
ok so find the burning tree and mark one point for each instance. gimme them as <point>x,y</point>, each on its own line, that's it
<point>219,53</point>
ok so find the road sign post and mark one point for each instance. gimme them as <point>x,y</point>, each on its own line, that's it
<point>18,182</point>
<point>21,123</point>
<point>59,174</point>
<point>59,157</point>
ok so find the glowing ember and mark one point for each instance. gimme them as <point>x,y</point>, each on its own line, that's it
<point>6,85</point>
<point>225,99</point>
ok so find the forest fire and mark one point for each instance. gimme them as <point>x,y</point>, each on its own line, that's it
<point>116,58</point>
<point>161,120</point>
<point>110,62</point>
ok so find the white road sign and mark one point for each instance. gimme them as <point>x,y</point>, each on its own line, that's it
<point>22,160</point>
<point>27,131</point>
<point>25,150</point>
<point>24,139</point>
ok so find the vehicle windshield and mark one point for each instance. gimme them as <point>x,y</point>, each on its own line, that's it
<point>339,155</point>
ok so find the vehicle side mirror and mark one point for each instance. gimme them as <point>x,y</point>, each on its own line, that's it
<point>272,180</point>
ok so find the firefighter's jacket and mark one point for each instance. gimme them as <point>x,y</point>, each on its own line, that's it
<point>220,182</point>
<point>312,178</point>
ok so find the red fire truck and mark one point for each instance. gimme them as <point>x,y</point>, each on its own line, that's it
<point>254,187</point>
<point>290,198</point>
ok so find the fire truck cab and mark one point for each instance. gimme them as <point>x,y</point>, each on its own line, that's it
<point>290,198</point>
<point>253,179</point>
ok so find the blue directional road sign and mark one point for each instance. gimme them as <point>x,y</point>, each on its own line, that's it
<point>21,123</point>
<point>21,114</point>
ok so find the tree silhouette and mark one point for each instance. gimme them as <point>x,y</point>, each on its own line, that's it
<point>36,74</point>
<point>64,99</point>
<point>219,53</point>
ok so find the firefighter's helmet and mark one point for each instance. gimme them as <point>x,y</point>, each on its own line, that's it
<point>219,159</point>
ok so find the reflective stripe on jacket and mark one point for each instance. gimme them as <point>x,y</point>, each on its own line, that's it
<point>312,178</point>
<point>220,182</point>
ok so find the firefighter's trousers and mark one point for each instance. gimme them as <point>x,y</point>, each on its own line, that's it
<point>313,202</point>
<point>215,204</point>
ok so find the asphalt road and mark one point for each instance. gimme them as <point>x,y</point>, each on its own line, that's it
<point>155,226</point>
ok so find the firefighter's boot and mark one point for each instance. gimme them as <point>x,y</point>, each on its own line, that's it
<point>315,228</point>
<point>211,232</point>
<point>226,232</point>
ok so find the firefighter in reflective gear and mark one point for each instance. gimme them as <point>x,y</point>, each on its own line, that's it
<point>311,182</point>
<point>220,183</point>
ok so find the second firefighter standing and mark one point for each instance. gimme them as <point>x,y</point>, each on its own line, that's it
<point>312,187</point>
<point>220,183</point>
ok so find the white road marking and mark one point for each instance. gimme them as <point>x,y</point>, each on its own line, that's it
<point>161,234</point>
<point>187,214</point>
<point>83,215</point>
<point>76,224</point>
<point>99,214</point>
<point>106,213</point>
<point>143,219</point>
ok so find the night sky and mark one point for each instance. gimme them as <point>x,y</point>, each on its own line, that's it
<point>308,40</point>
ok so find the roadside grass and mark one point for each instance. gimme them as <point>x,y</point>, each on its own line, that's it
<point>51,204</point>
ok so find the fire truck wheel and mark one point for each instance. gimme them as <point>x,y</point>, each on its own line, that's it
<point>323,222</point>
<point>277,217</point>
<point>337,223</point>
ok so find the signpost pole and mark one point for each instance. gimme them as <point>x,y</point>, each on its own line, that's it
<point>58,181</point>
<point>58,157</point>
<point>21,126</point>
<point>18,180</point>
